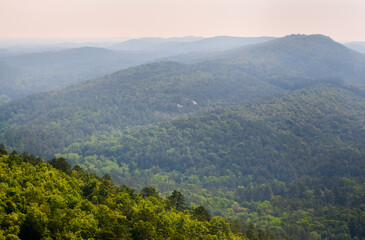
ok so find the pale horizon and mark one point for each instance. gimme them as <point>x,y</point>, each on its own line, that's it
<point>97,20</point>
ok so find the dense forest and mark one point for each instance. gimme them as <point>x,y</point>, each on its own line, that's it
<point>136,96</point>
<point>311,123</point>
<point>166,90</point>
<point>55,201</point>
<point>260,142</point>
<point>308,154</point>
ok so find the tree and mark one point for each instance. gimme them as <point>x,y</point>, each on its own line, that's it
<point>34,225</point>
<point>2,149</point>
<point>177,200</point>
<point>201,213</point>
<point>31,158</point>
<point>149,192</point>
<point>61,164</point>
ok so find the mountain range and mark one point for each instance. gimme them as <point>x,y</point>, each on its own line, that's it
<point>166,90</point>
<point>270,133</point>
<point>63,65</point>
<point>189,44</point>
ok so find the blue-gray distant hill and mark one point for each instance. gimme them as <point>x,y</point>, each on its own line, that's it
<point>179,46</point>
<point>296,56</point>
<point>24,74</point>
<point>357,46</point>
<point>145,44</point>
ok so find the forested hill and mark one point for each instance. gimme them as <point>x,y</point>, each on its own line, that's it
<point>272,134</point>
<point>24,74</point>
<point>53,67</point>
<point>53,201</point>
<point>165,90</point>
<point>136,96</point>
<point>292,164</point>
<point>299,56</point>
<point>317,131</point>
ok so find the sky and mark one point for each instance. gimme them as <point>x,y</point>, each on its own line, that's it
<point>343,20</point>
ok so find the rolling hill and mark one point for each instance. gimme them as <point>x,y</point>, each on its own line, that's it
<point>303,133</point>
<point>188,44</point>
<point>272,134</point>
<point>132,97</point>
<point>293,165</point>
<point>166,90</point>
<point>283,60</point>
<point>25,74</point>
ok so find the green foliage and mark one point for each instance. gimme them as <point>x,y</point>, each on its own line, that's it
<point>61,164</point>
<point>135,96</point>
<point>3,150</point>
<point>201,213</point>
<point>165,90</point>
<point>41,202</point>
<point>303,133</point>
<point>297,148</point>
<point>149,192</point>
<point>292,164</point>
<point>177,200</point>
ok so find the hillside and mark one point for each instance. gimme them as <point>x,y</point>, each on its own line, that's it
<point>132,97</point>
<point>283,60</point>
<point>297,160</point>
<point>25,74</point>
<point>313,125</point>
<point>271,134</point>
<point>53,201</point>
<point>48,69</point>
<point>166,90</point>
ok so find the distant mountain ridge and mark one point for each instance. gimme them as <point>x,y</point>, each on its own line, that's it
<point>178,46</point>
<point>143,44</point>
<point>356,46</point>
<point>42,71</point>
<point>300,56</point>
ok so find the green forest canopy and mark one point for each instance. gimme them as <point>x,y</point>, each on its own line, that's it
<point>53,201</point>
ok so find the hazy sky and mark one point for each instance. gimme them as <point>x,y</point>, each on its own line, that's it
<point>343,20</point>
